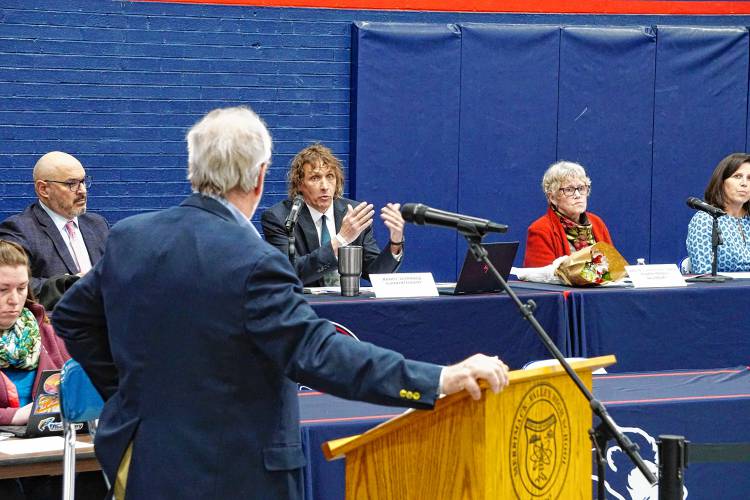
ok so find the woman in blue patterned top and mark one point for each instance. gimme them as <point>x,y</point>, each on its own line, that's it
<point>729,189</point>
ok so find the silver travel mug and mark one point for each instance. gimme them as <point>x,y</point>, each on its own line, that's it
<point>350,269</point>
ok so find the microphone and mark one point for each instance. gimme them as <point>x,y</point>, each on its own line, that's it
<point>291,219</point>
<point>701,205</point>
<point>422,214</point>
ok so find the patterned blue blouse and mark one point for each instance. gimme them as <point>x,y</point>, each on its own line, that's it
<point>734,254</point>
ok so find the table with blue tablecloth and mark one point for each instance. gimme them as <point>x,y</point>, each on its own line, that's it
<point>701,325</point>
<point>703,405</point>
<point>447,329</point>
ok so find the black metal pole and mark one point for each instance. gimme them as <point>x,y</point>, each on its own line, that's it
<point>715,242</point>
<point>601,463</point>
<point>290,247</point>
<point>672,462</point>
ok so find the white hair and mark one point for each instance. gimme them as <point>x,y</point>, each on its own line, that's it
<point>558,172</point>
<point>226,149</point>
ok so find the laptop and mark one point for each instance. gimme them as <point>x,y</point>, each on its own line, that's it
<point>45,419</point>
<point>475,277</point>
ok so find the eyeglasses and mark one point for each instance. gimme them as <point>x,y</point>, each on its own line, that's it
<point>568,191</point>
<point>74,185</point>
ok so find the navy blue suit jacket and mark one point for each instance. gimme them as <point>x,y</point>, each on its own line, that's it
<point>34,230</point>
<point>312,260</point>
<point>195,331</point>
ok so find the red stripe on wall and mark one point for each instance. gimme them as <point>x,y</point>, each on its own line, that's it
<point>508,6</point>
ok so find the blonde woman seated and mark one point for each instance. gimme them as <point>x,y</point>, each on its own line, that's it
<point>567,226</point>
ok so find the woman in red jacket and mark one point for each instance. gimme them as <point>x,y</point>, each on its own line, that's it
<point>566,227</point>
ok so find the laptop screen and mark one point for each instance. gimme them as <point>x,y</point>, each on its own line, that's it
<point>44,419</point>
<point>45,413</point>
<point>475,277</point>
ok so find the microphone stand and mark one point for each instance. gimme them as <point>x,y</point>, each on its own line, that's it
<point>607,429</point>
<point>291,241</point>
<point>716,240</point>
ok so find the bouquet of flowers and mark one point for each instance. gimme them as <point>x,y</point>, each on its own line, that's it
<point>591,266</point>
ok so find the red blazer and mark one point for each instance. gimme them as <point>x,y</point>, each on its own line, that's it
<point>546,240</point>
<point>52,357</point>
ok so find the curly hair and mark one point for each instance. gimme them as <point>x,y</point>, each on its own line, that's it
<point>316,155</point>
<point>558,172</point>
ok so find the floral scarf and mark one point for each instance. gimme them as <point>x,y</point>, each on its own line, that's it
<point>579,234</point>
<point>21,344</point>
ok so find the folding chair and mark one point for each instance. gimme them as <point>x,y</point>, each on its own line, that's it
<point>79,403</point>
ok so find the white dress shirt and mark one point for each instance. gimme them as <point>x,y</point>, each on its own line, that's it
<point>76,246</point>
<point>317,218</point>
<point>236,213</point>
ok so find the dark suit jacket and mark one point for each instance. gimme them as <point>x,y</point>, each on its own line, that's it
<point>34,230</point>
<point>194,338</point>
<point>312,260</point>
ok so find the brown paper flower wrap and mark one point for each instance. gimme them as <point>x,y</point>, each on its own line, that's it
<point>591,266</point>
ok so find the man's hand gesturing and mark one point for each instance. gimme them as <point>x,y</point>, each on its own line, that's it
<point>355,221</point>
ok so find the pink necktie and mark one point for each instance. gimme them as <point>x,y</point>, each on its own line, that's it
<point>70,228</point>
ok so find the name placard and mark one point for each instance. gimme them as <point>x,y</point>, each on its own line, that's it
<point>399,285</point>
<point>655,276</point>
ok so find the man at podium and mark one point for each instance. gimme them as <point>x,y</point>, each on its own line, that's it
<point>195,330</point>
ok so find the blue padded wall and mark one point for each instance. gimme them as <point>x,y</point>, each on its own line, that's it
<point>700,116</point>
<point>648,112</point>
<point>405,130</point>
<point>508,123</point>
<point>605,124</point>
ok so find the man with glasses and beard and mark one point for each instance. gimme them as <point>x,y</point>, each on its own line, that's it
<point>62,240</point>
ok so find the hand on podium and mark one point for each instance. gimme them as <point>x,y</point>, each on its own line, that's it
<point>464,376</point>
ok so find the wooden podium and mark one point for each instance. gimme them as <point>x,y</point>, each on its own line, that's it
<point>529,441</point>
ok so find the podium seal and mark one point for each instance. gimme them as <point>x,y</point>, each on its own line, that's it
<point>540,444</point>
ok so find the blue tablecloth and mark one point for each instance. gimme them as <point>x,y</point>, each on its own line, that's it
<point>447,329</point>
<point>699,326</point>
<point>705,406</point>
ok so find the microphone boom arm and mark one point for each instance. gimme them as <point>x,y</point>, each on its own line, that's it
<point>607,428</point>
